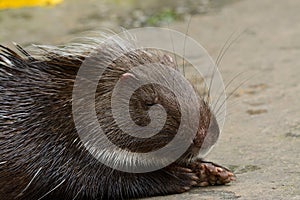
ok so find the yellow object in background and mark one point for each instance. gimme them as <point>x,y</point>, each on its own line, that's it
<point>27,3</point>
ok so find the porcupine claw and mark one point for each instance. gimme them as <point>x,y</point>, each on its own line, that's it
<point>211,174</point>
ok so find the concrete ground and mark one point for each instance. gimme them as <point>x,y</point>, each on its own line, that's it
<point>261,137</point>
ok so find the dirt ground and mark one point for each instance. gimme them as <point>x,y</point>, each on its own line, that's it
<point>261,137</point>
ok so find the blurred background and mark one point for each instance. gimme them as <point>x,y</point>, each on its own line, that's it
<point>52,21</point>
<point>260,141</point>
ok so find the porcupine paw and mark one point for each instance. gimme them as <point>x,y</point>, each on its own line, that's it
<point>185,179</point>
<point>211,174</point>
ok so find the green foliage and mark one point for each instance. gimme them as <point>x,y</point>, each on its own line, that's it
<point>165,16</point>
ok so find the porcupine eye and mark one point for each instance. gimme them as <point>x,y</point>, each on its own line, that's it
<point>152,103</point>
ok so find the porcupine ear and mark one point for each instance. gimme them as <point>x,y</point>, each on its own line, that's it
<point>168,60</point>
<point>127,75</point>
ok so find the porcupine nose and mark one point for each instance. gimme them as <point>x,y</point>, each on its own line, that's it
<point>210,138</point>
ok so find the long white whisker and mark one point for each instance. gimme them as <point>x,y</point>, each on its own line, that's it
<point>222,52</point>
<point>174,53</point>
<point>231,93</point>
<point>226,47</point>
<point>227,85</point>
<point>184,44</point>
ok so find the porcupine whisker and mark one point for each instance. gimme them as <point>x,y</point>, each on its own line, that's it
<point>57,186</point>
<point>227,115</point>
<point>226,86</point>
<point>210,84</point>
<point>35,175</point>
<point>233,102</point>
<point>184,44</point>
<point>3,162</point>
<point>173,48</point>
<point>226,46</point>
<point>174,54</point>
<point>231,93</point>
<point>228,43</point>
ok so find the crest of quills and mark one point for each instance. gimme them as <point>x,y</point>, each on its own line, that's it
<point>41,154</point>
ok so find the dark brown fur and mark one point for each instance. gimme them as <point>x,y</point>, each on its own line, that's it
<point>41,155</point>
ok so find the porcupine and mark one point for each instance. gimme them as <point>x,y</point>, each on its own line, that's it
<point>42,156</point>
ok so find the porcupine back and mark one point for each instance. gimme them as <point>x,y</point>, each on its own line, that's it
<point>39,143</point>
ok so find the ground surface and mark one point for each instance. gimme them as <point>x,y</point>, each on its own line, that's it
<point>261,136</point>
